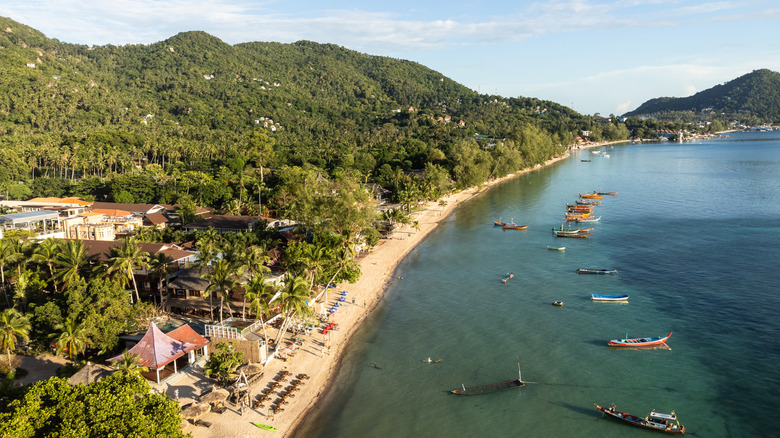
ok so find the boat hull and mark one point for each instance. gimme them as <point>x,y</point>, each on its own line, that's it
<point>604,297</point>
<point>487,389</point>
<point>639,342</point>
<point>597,271</point>
<point>671,428</point>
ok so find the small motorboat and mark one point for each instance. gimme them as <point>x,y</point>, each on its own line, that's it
<point>553,248</point>
<point>557,303</point>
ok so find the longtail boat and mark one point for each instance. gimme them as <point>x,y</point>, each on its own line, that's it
<point>587,219</point>
<point>606,193</point>
<point>575,235</point>
<point>607,297</point>
<point>597,271</point>
<point>493,387</point>
<point>590,196</point>
<point>515,227</point>
<point>580,202</point>
<point>572,230</point>
<point>639,342</point>
<point>655,420</point>
<point>499,224</point>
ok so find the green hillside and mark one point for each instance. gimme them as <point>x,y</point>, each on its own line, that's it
<point>193,103</point>
<point>754,98</point>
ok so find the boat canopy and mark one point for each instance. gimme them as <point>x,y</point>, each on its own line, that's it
<point>664,416</point>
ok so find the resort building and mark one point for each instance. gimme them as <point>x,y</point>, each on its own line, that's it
<point>166,354</point>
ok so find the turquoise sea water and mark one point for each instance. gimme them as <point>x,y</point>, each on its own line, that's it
<point>693,232</point>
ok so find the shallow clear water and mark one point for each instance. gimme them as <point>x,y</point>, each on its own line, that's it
<point>693,233</point>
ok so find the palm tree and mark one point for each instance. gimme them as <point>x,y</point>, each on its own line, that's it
<point>314,256</point>
<point>129,364</point>
<point>71,261</point>
<point>13,327</point>
<point>126,259</point>
<point>158,267</point>
<point>259,294</point>
<point>46,253</point>
<point>73,338</point>
<point>293,297</point>
<point>8,256</point>
<point>223,278</point>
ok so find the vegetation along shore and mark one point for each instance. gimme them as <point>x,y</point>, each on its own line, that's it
<point>242,205</point>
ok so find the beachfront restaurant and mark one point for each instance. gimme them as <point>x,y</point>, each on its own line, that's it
<point>166,354</point>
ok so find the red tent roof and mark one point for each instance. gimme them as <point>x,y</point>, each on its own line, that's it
<point>156,349</point>
<point>187,335</point>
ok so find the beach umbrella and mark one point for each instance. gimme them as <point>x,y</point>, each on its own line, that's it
<point>215,396</point>
<point>195,411</point>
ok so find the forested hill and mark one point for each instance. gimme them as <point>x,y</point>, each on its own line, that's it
<point>195,81</point>
<point>195,102</point>
<point>754,97</point>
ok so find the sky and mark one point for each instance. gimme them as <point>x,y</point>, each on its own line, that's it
<point>605,57</point>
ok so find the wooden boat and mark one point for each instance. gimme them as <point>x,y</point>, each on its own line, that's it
<point>577,215</point>
<point>588,219</point>
<point>585,161</point>
<point>597,271</point>
<point>493,387</point>
<point>606,193</point>
<point>578,207</point>
<point>571,230</point>
<point>575,235</point>
<point>655,420</point>
<point>581,202</point>
<point>607,297</point>
<point>499,224</point>
<point>590,196</point>
<point>639,342</point>
<point>553,248</point>
<point>515,227</point>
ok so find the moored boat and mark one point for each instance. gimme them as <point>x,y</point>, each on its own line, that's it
<point>581,202</point>
<point>655,420</point>
<point>590,196</point>
<point>492,387</point>
<point>559,248</point>
<point>571,230</point>
<point>607,193</point>
<point>499,224</point>
<point>597,271</point>
<point>514,227</point>
<point>608,297</point>
<point>639,342</point>
<point>574,235</point>
<point>587,219</point>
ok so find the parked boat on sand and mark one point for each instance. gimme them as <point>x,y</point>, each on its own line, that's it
<point>655,420</point>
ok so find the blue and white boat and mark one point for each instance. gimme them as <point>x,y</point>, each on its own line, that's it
<point>607,297</point>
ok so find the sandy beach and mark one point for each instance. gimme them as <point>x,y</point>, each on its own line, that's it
<point>377,269</point>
